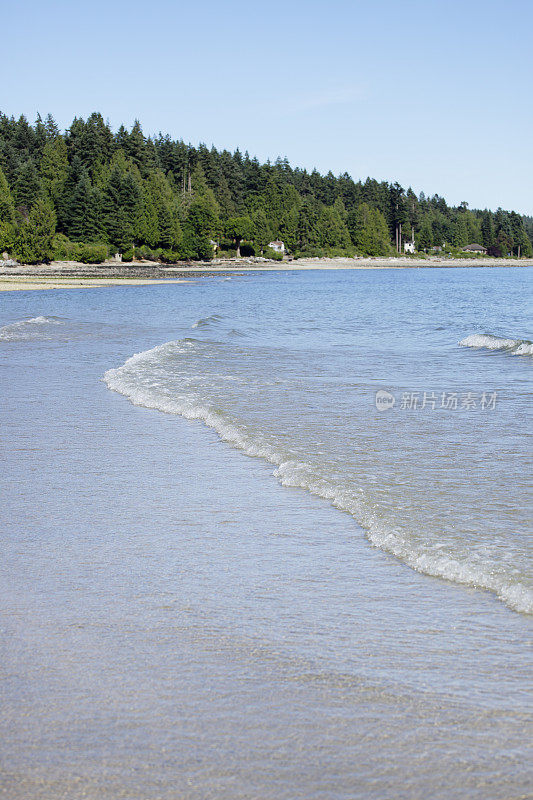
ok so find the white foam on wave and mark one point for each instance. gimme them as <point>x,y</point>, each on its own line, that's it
<point>140,380</point>
<point>486,341</point>
<point>27,328</point>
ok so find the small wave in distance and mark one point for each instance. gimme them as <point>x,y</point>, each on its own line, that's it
<point>33,328</point>
<point>486,341</point>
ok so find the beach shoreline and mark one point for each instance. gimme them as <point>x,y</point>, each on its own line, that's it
<point>76,275</point>
<point>29,284</point>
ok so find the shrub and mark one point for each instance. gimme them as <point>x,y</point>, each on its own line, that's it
<point>340,252</point>
<point>92,253</point>
<point>195,247</point>
<point>229,252</point>
<point>170,256</point>
<point>146,253</point>
<point>273,255</point>
<point>64,249</point>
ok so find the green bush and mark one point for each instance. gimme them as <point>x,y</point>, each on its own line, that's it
<point>229,252</point>
<point>170,256</point>
<point>64,249</point>
<point>309,252</point>
<point>147,253</point>
<point>339,252</point>
<point>92,253</point>
<point>273,255</point>
<point>195,247</point>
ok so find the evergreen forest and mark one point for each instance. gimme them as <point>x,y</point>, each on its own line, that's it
<point>89,192</point>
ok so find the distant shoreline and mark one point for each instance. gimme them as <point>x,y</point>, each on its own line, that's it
<point>75,275</point>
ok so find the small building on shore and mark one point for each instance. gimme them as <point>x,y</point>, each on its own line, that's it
<point>475,248</point>
<point>277,246</point>
<point>408,247</point>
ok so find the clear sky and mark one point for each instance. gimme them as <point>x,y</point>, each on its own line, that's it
<point>436,94</point>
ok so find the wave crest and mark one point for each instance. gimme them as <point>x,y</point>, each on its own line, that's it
<point>486,341</point>
<point>142,380</point>
<point>33,328</point>
<point>207,322</point>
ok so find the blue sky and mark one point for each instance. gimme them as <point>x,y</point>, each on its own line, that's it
<point>434,94</point>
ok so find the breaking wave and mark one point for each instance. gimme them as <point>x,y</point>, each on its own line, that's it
<point>34,328</point>
<point>486,341</point>
<point>145,380</point>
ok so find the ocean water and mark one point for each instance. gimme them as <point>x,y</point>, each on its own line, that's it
<point>268,536</point>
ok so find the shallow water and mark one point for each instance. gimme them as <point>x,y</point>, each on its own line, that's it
<point>176,623</point>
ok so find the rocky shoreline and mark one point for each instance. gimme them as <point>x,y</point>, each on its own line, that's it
<point>73,274</point>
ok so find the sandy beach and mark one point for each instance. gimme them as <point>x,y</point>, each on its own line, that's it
<point>75,275</point>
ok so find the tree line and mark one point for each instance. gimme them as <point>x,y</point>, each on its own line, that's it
<point>88,192</point>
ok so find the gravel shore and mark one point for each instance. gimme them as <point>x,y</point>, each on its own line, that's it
<point>72,274</point>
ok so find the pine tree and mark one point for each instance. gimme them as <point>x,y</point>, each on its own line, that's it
<point>40,137</point>
<point>308,226</point>
<point>487,230</point>
<point>34,239</point>
<point>121,203</point>
<point>147,224</point>
<point>83,212</point>
<point>261,230</point>
<point>134,145</point>
<point>27,184</point>
<point>237,229</point>
<point>425,235</point>
<point>54,168</point>
<point>460,231</point>
<point>120,230</point>
<point>521,243</point>
<point>288,229</point>
<point>368,230</point>
<point>7,216</point>
<point>398,215</point>
<point>52,131</point>
<point>43,222</point>
<point>166,210</point>
<point>202,218</point>
<point>7,206</point>
<point>7,236</point>
<point>333,231</point>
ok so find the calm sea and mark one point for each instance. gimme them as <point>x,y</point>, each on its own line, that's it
<point>268,536</point>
